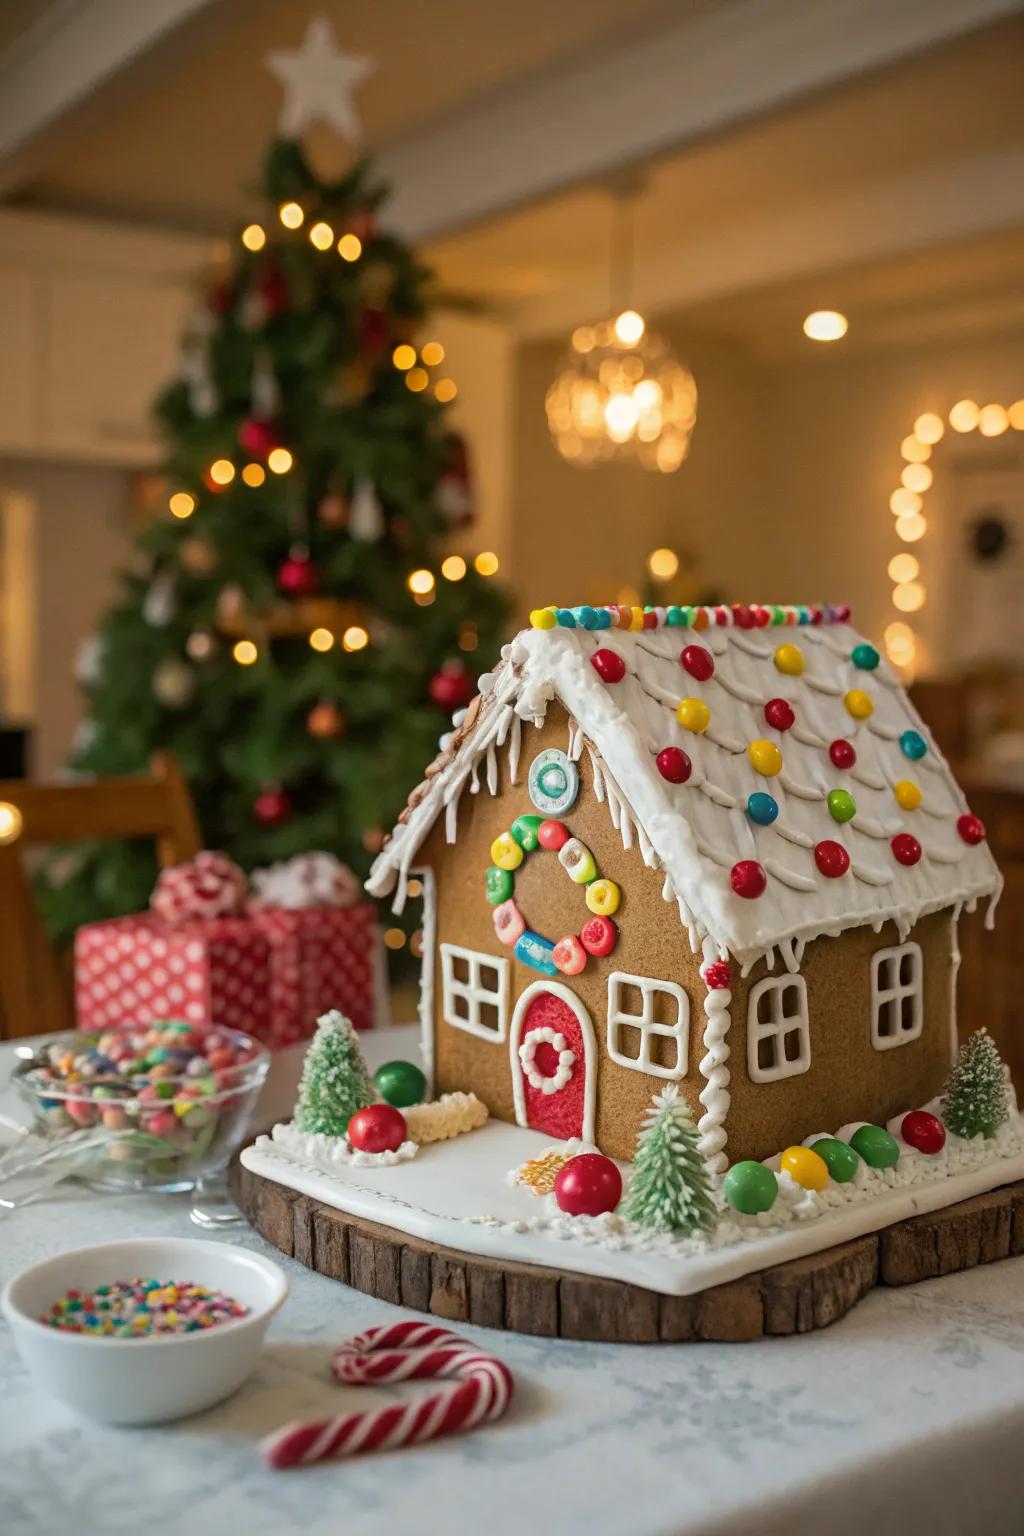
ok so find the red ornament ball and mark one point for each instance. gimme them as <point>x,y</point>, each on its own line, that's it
<point>325,720</point>
<point>552,835</point>
<point>906,848</point>
<point>377,1128</point>
<point>971,828</point>
<point>831,858</point>
<point>674,765</point>
<point>842,754</point>
<point>298,576</point>
<point>257,437</point>
<point>923,1131</point>
<point>748,879</point>
<point>779,714</point>
<point>272,807</point>
<point>608,665</point>
<point>588,1185</point>
<point>598,936</point>
<point>698,662</point>
<point>718,975</point>
<point>452,687</point>
<point>273,290</point>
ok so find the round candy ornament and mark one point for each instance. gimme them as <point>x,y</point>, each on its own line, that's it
<point>400,1083</point>
<point>608,665</point>
<point>748,879</point>
<point>762,808</point>
<point>673,765</point>
<point>841,805</point>
<point>874,1144</point>
<point>805,1167</point>
<point>553,782</point>
<point>923,1131</point>
<point>598,936</point>
<point>552,835</point>
<point>377,1128</point>
<point>693,715</point>
<point>971,828</point>
<point>698,662</point>
<point>272,807</point>
<point>864,656</point>
<point>906,849</point>
<point>778,713</point>
<point>831,858</point>
<point>298,576</point>
<point>842,754</point>
<point>913,745</point>
<point>750,1187</point>
<point>588,1185</point>
<point>451,687</point>
<point>840,1160</point>
<point>765,757</point>
<point>789,660</point>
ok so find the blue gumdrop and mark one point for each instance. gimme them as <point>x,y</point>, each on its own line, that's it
<point>865,657</point>
<point>603,619</point>
<point>534,950</point>
<point>762,808</point>
<point>585,617</point>
<point>565,618</point>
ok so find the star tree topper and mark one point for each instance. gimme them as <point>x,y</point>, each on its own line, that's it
<point>319,80</point>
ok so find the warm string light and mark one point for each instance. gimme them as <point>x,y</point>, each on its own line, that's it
<point>350,247</point>
<point>453,568</point>
<point>321,236</point>
<point>486,563</point>
<point>445,390</point>
<point>826,325</point>
<point>254,475</point>
<point>291,215</point>
<point>417,379</point>
<point>355,638</point>
<point>663,564</point>
<point>279,461</point>
<point>222,471</point>
<point>421,581</point>
<point>11,823</point>
<point>254,237</point>
<point>182,504</point>
<point>245,652</point>
<point>321,639</point>
<point>404,357</point>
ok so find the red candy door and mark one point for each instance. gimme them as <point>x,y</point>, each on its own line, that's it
<point>550,1059</point>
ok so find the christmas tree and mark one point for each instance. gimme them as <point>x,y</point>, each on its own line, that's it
<point>669,1190</point>
<point>976,1101</point>
<point>335,1079</point>
<point>290,628</point>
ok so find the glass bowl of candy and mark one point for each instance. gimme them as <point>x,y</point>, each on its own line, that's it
<point>147,1107</point>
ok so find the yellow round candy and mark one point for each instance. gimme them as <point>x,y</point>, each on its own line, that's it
<point>603,897</point>
<point>789,659</point>
<point>637,621</point>
<point>543,618</point>
<point>693,714</point>
<point>858,704</point>
<point>805,1166</point>
<point>907,794</point>
<point>765,757</point>
<point>506,852</point>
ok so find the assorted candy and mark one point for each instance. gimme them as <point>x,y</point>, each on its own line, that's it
<point>750,1188</point>
<point>588,1185</point>
<point>142,1309</point>
<point>377,1128</point>
<point>875,1145</point>
<point>400,1083</point>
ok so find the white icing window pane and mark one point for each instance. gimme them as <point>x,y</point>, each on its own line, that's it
<point>475,992</point>
<point>778,1035</point>
<point>648,1025</point>
<point>897,996</point>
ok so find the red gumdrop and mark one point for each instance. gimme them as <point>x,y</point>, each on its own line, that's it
<point>608,665</point>
<point>588,1185</point>
<point>761,617</point>
<point>748,879</point>
<point>779,714</point>
<point>698,662</point>
<point>674,765</point>
<point>650,619</point>
<point>598,936</point>
<point>971,828</point>
<point>717,975</point>
<point>831,858</point>
<point>842,754</point>
<point>923,1131</point>
<point>742,616</point>
<point>906,848</point>
<point>377,1128</point>
<point>552,835</point>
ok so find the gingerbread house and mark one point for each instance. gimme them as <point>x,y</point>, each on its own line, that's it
<point>716,847</point>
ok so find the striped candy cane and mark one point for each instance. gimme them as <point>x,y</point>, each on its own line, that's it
<point>481,1390</point>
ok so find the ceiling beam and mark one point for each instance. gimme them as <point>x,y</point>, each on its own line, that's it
<point>698,75</point>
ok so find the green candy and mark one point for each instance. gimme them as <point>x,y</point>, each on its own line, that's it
<point>876,1146</point>
<point>498,885</point>
<point>400,1083</point>
<point>840,1160</point>
<point>750,1187</point>
<point>841,805</point>
<point>524,830</point>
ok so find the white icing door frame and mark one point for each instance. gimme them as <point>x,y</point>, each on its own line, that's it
<point>563,993</point>
<point>428,970</point>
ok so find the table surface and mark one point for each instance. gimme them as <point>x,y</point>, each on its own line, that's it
<point>906,1415</point>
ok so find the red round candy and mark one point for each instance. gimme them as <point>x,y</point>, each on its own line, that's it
<point>842,754</point>
<point>717,975</point>
<point>923,1131</point>
<point>598,936</point>
<point>588,1185</point>
<point>377,1128</point>
<point>258,437</point>
<point>298,576</point>
<point>272,807</point>
<point>831,858</point>
<point>779,714</point>
<point>906,848</point>
<point>748,879</point>
<point>674,765</point>
<point>698,662</point>
<point>742,616</point>
<point>552,835</point>
<point>608,665</point>
<point>971,828</point>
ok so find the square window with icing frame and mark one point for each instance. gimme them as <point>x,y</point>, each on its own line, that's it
<point>778,1031</point>
<point>897,996</point>
<point>648,1025</point>
<point>475,990</point>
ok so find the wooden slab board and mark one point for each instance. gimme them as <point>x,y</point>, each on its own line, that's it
<point>795,1297</point>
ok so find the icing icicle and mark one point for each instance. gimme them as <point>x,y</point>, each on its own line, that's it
<point>714,1068</point>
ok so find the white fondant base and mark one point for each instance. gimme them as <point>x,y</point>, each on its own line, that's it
<point>457,1194</point>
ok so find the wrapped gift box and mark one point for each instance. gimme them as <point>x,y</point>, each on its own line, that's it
<point>321,958</point>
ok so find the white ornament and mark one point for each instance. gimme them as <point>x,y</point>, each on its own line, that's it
<point>173,683</point>
<point>365,513</point>
<point>203,399</point>
<point>88,665</point>
<point>528,1053</point>
<point>308,880</point>
<point>85,734</point>
<point>266,395</point>
<point>160,604</point>
<point>319,80</point>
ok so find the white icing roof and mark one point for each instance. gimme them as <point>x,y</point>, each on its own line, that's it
<point>696,832</point>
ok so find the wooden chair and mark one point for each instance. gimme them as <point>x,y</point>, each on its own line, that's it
<point>34,997</point>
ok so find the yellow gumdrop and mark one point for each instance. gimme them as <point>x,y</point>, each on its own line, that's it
<point>693,714</point>
<point>603,897</point>
<point>858,704</point>
<point>637,619</point>
<point>805,1166</point>
<point>765,757</point>
<point>789,659</point>
<point>506,852</point>
<point>907,794</point>
<point>543,618</point>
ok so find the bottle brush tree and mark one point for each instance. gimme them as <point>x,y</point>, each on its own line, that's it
<point>976,1102</point>
<point>670,1190</point>
<point>336,1081</point>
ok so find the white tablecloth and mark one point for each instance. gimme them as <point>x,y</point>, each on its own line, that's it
<point>906,1417</point>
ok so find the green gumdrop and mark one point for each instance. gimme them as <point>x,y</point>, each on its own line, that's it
<point>400,1083</point>
<point>840,1160</point>
<point>874,1144</point>
<point>498,885</point>
<point>750,1187</point>
<point>524,830</point>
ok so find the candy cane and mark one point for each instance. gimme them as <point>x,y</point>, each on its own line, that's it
<point>480,1392</point>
